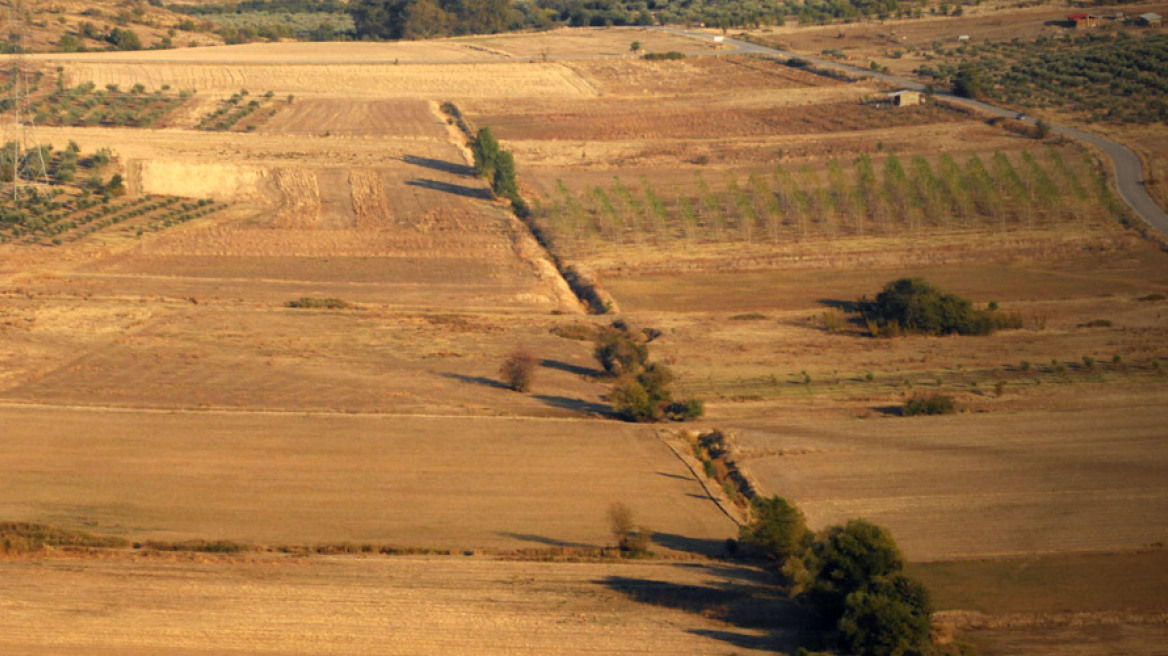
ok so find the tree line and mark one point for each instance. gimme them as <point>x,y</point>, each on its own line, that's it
<point>413,19</point>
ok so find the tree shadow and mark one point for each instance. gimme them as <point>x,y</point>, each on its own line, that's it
<point>742,602</point>
<point>453,168</point>
<point>541,539</point>
<point>570,368</point>
<point>845,306</point>
<point>890,410</point>
<point>700,546</point>
<point>478,193</point>
<point>576,405</point>
<point>475,380</point>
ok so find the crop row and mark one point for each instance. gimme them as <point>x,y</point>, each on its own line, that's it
<point>76,217</point>
<point>84,105</point>
<point>231,111</point>
<point>889,197</point>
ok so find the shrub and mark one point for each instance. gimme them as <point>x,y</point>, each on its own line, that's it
<point>913,305</point>
<point>577,331</point>
<point>687,410</point>
<point>518,370</point>
<point>309,302</point>
<point>619,352</point>
<point>658,56</point>
<point>631,539</point>
<point>929,404</point>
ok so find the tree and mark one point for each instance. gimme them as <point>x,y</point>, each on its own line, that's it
<point>777,529</point>
<point>643,396</point>
<point>1041,129</point>
<point>847,559</point>
<point>504,182</point>
<point>632,540</point>
<point>967,81</point>
<point>619,352</point>
<point>485,149</point>
<point>635,46</point>
<point>888,618</point>
<point>123,39</point>
<point>518,370</point>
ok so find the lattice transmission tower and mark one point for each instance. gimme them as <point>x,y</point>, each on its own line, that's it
<point>23,163</point>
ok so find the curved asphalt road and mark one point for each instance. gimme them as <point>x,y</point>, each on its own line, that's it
<point>1129,176</point>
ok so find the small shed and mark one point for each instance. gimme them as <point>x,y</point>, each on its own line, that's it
<point>905,98</point>
<point>1148,20</point>
<point>1083,20</point>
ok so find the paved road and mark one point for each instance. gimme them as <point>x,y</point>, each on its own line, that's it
<point>1128,170</point>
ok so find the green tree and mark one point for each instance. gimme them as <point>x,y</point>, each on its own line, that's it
<point>124,39</point>
<point>847,559</point>
<point>890,617</point>
<point>503,180</point>
<point>967,81</point>
<point>777,529</point>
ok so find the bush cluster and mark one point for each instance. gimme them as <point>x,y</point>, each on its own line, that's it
<point>642,389</point>
<point>851,575</point>
<point>913,305</point>
<point>929,404</point>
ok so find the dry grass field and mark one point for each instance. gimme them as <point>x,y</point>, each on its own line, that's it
<point>437,605</point>
<point>159,386</point>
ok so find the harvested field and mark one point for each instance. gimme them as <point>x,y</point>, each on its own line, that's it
<point>978,485</point>
<point>324,80</point>
<point>626,120</point>
<point>303,479</point>
<point>395,119</point>
<point>416,606</point>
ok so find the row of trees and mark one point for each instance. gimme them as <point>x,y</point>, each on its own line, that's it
<point>851,576</point>
<point>884,197</point>
<point>409,19</point>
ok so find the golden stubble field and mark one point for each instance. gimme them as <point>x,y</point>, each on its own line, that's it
<point>159,387</point>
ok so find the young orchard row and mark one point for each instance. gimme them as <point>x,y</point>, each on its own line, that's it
<point>883,197</point>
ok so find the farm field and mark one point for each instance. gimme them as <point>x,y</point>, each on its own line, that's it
<point>171,385</point>
<point>400,605</point>
<point>294,479</point>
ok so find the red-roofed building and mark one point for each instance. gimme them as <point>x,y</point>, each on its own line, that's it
<point>1084,20</point>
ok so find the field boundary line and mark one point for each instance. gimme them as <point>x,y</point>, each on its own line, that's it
<point>714,495</point>
<point>125,409</point>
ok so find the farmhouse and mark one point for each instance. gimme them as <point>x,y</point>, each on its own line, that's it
<point>1083,20</point>
<point>1148,20</point>
<point>905,98</point>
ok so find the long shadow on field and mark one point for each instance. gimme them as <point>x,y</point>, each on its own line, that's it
<point>738,598</point>
<point>474,380</point>
<point>458,190</point>
<point>703,546</point>
<point>576,405</point>
<point>570,368</point>
<point>440,165</point>
<point>540,539</point>
<point>845,306</point>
